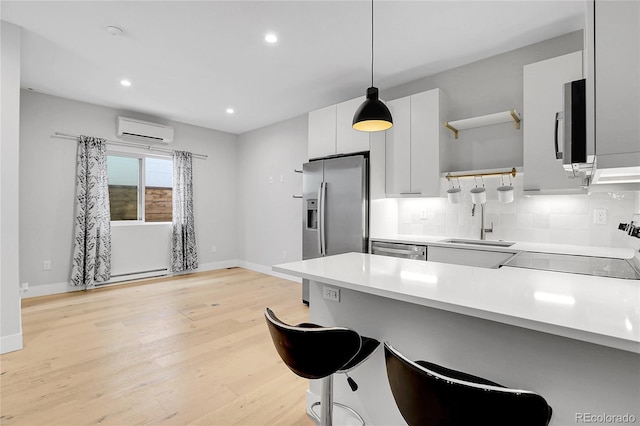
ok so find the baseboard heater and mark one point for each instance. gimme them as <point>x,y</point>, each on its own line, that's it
<point>132,276</point>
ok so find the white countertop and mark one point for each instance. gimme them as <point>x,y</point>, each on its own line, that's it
<point>620,253</point>
<point>599,310</point>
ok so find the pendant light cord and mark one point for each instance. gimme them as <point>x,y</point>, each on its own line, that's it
<point>371,43</point>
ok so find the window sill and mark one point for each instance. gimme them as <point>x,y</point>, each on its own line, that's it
<point>119,223</point>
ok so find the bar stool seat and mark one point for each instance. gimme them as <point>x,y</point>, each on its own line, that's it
<point>428,394</point>
<point>316,352</point>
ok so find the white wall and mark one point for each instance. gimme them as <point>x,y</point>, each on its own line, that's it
<point>47,180</point>
<point>10,324</point>
<point>270,223</point>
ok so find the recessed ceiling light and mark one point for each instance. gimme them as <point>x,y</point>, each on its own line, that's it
<point>125,83</point>
<point>270,38</point>
<point>230,111</point>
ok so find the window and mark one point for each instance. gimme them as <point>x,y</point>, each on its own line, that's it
<point>128,175</point>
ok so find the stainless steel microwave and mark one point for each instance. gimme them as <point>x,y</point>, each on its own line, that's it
<point>572,150</point>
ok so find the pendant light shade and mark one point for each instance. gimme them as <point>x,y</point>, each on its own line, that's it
<point>372,115</point>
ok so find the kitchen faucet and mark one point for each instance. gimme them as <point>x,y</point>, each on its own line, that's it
<point>483,230</point>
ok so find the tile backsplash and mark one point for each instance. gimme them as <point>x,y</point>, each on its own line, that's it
<point>558,219</point>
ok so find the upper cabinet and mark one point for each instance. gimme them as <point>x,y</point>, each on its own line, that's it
<point>322,132</point>
<point>542,99</point>
<point>331,132</point>
<point>347,139</point>
<point>616,58</point>
<point>413,145</point>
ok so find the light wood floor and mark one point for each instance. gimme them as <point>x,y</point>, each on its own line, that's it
<point>191,350</point>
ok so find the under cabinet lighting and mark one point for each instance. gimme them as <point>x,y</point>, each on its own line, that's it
<point>230,111</point>
<point>125,83</point>
<point>271,38</point>
<point>617,175</point>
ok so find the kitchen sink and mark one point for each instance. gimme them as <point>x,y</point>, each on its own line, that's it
<point>479,242</point>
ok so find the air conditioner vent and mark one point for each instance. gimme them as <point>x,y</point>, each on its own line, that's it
<point>143,131</point>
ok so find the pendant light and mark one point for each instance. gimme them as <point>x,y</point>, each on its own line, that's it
<point>372,115</point>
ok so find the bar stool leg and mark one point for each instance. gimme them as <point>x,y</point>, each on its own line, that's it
<point>326,401</point>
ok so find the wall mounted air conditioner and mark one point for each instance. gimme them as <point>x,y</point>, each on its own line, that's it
<point>143,131</point>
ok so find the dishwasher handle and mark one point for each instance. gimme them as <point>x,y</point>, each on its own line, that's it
<point>409,251</point>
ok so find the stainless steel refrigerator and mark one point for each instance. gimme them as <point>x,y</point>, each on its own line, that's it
<point>335,208</point>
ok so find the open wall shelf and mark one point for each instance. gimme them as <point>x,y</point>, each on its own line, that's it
<point>484,120</point>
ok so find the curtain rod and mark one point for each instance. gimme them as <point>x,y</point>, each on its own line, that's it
<point>132,144</point>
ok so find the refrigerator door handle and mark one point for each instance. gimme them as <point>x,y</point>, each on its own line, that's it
<point>320,219</point>
<point>322,197</point>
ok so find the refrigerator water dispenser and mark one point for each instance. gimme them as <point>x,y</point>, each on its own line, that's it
<point>312,214</point>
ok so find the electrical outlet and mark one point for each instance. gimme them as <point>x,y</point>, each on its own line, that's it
<point>423,214</point>
<point>214,249</point>
<point>284,254</point>
<point>270,179</point>
<point>600,216</point>
<point>46,265</point>
<point>331,293</point>
<point>24,287</point>
<point>281,178</point>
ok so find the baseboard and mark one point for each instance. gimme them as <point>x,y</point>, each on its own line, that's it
<point>57,288</point>
<point>267,270</point>
<point>10,343</point>
<point>48,289</point>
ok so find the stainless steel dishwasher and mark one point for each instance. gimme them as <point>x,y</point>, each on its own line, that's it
<point>403,250</point>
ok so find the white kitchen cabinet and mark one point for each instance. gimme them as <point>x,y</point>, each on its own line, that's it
<point>347,138</point>
<point>413,145</point>
<point>468,257</point>
<point>617,83</point>
<point>398,148</point>
<point>377,163</point>
<point>542,99</point>
<point>331,131</point>
<point>322,132</point>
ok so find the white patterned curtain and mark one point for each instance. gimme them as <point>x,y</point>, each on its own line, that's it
<point>184,253</point>
<point>92,237</point>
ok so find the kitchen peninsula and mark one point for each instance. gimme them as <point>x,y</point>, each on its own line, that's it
<point>574,339</point>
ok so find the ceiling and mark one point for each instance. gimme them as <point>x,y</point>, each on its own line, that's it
<point>190,61</point>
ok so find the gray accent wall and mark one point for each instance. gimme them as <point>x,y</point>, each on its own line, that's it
<point>270,219</point>
<point>47,185</point>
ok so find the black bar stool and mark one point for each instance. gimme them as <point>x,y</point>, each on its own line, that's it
<point>431,395</point>
<point>315,352</point>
